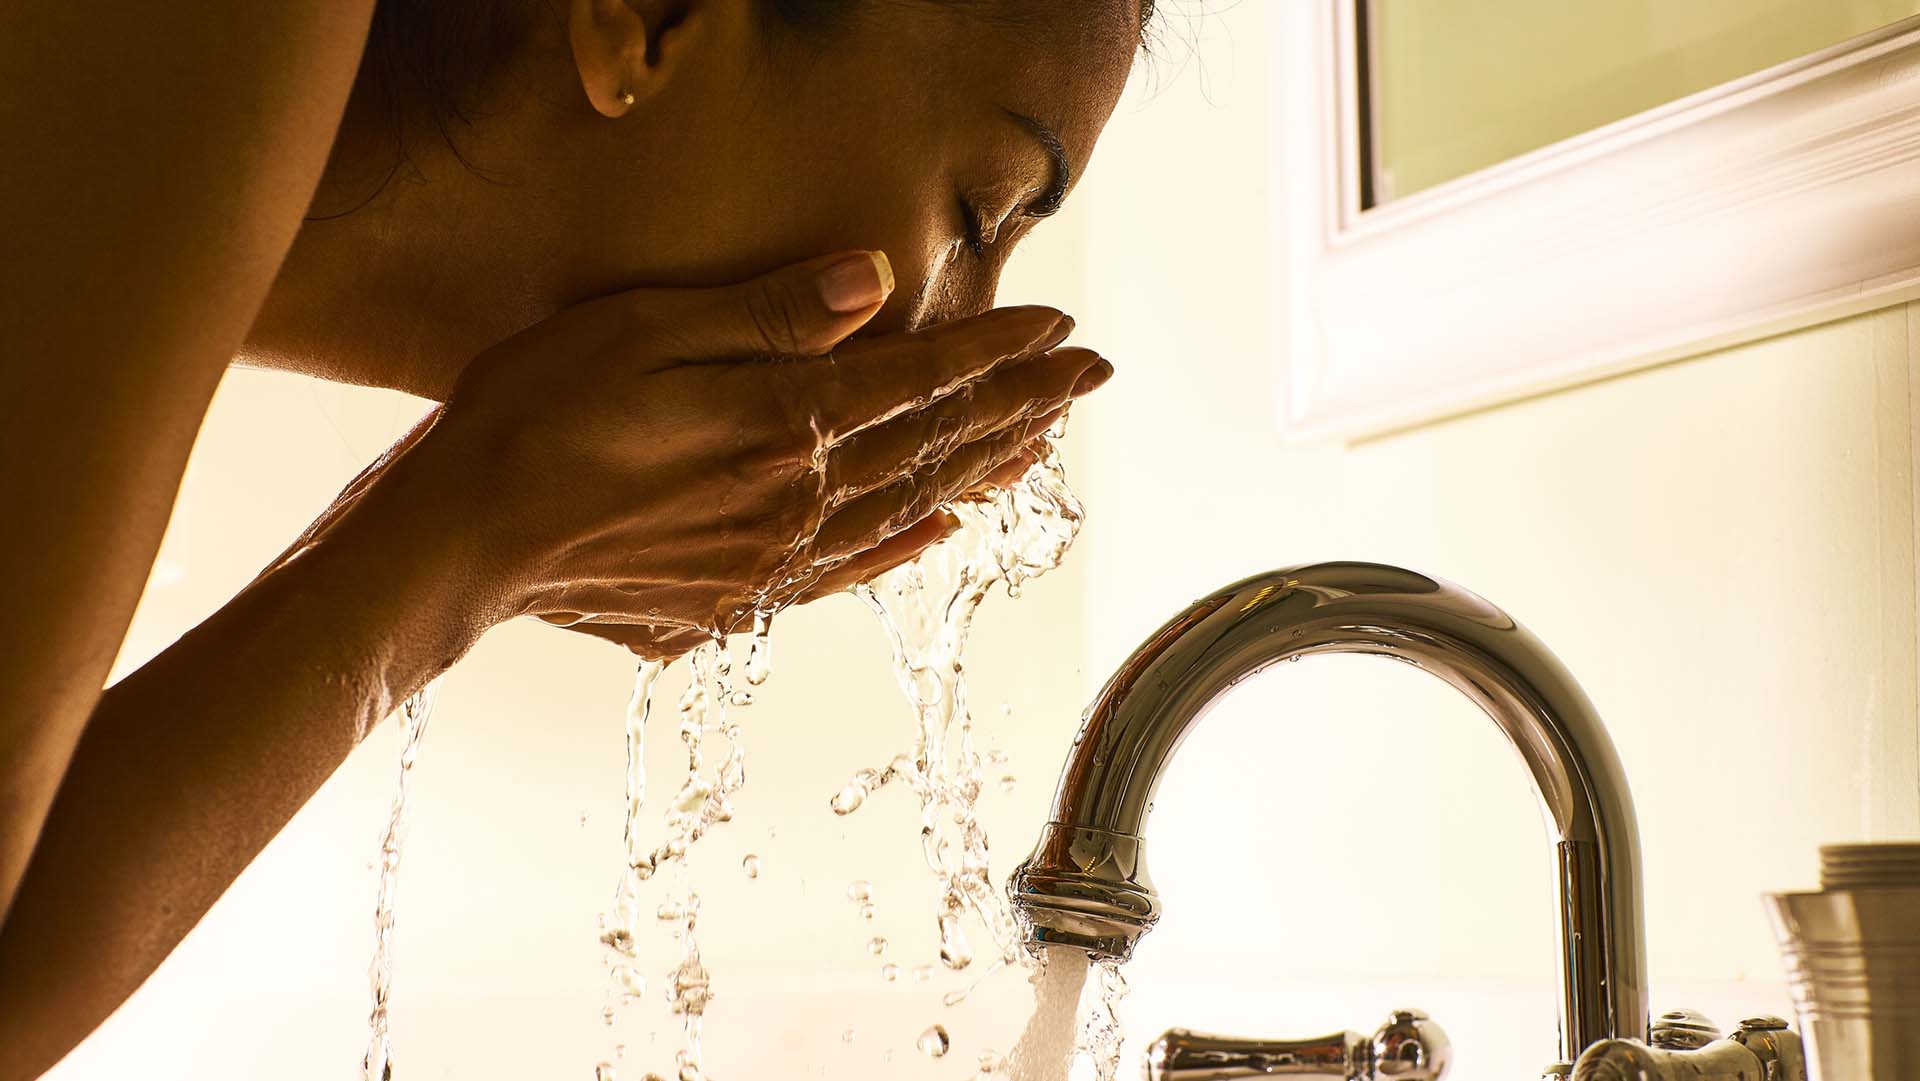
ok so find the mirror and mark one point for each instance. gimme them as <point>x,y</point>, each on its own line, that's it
<point>1517,75</point>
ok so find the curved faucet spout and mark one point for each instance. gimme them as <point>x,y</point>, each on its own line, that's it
<point>1085,884</point>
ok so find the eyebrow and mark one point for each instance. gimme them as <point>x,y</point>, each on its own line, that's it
<point>1055,193</point>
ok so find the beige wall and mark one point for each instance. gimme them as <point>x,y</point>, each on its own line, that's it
<point>1720,549</point>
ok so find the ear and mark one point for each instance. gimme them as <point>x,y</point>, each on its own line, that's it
<point>626,50</point>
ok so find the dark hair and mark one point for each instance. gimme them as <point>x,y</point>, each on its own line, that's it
<point>433,65</point>
<point>440,56</point>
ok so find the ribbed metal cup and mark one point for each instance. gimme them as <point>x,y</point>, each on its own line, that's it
<point>1852,953</point>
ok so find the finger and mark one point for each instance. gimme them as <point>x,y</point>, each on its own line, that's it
<point>869,520</point>
<point>870,382</point>
<point>901,548</point>
<point>1013,394</point>
<point>1016,467</point>
<point>801,310</point>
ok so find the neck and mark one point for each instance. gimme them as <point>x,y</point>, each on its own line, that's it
<point>409,266</point>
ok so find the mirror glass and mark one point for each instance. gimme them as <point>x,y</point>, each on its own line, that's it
<point>1450,87</point>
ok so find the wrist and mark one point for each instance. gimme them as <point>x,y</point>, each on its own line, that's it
<point>403,550</point>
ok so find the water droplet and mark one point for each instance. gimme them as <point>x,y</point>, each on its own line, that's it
<point>848,799</point>
<point>998,758</point>
<point>741,698</point>
<point>922,973</point>
<point>990,1063</point>
<point>861,890</point>
<point>876,945</point>
<point>889,972</point>
<point>1007,784</point>
<point>866,911</point>
<point>955,998</point>
<point>619,1052</point>
<point>606,1016</point>
<point>934,1041</point>
<point>954,951</point>
<point>583,819</point>
<point>604,1072</point>
<point>691,989</point>
<point>630,980</point>
<point>847,1036</point>
<point>750,865</point>
<point>670,911</point>
<point>760,652</point>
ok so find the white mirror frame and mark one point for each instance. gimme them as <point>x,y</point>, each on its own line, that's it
<point>1787,198</point>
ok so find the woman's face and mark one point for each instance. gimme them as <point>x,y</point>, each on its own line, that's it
<point>936,132</point>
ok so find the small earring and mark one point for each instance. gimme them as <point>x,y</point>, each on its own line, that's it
<point>625,96</point>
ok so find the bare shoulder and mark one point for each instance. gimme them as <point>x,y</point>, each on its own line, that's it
<point>155,162</point>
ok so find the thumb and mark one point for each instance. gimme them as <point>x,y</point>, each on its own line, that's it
<point>803,310</point>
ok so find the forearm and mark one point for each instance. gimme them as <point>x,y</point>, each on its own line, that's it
<point>193,763</point>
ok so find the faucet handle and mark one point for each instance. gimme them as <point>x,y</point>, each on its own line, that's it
<point>1682,1030</point>
<point>1409,1047</point>
<point>1762,1047</point>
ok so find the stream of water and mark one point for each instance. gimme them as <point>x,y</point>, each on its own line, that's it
<point>377,1064</point>
<point>1007,537</point>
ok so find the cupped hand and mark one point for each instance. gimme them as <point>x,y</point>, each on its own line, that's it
<point>655,465</point>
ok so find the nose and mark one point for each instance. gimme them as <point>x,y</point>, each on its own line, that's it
<point>937,289</point>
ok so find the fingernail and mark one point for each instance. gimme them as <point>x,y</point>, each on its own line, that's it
<point>857,282</point>
<point>1093,378</point>
<point>1057,334</point>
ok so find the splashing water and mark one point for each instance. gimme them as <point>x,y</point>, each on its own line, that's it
<point>377,1065</point>
<point>704,799</point>
<point>926,609</point>
<point>620,927</point>
<point>1100,1033</point>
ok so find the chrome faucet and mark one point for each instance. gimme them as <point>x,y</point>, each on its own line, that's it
<point>1086,884</point>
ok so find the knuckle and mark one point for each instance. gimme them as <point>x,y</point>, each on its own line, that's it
<point>777,316</point>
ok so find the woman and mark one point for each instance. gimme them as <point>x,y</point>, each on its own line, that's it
<point>593,230</point>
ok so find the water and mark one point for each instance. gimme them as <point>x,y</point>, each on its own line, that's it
<point>377,1065</point>
<point>703,800</point>
<point>926,609</point>
<point>1098,1042</point>
<point>1068,985</point>
<point>1046,1047</point>
<point>934,1042</point>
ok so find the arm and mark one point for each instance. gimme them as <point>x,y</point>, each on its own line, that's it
<point>158,160</point>
<point>572,474</point>
<point>193,763</point>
